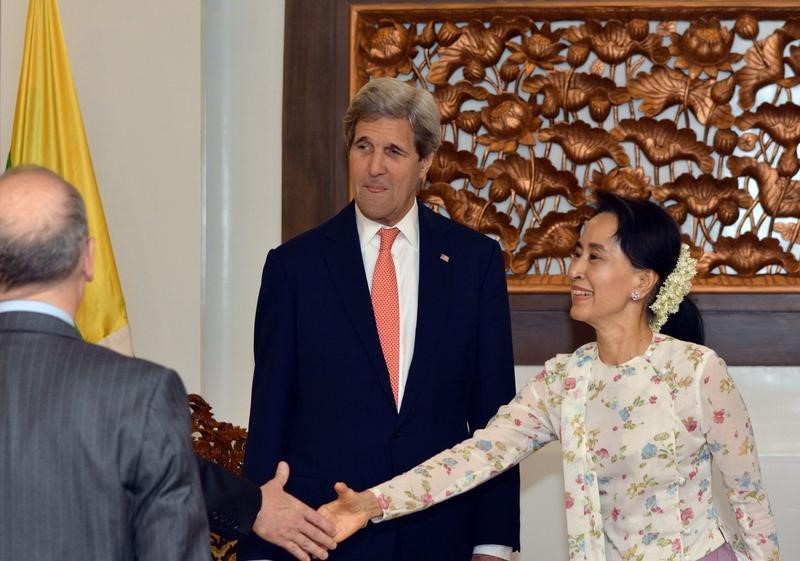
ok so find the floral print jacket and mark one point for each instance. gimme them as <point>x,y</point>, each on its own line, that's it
<point>638,441</point>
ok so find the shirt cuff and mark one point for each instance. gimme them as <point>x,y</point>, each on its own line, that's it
<point>501,551</point>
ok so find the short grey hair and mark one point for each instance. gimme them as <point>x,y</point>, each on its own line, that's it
<point>51,253</point>
<point>391,98</point>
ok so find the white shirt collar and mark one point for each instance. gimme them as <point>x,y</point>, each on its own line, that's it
<point>408,226</point>
<point>37,307</point>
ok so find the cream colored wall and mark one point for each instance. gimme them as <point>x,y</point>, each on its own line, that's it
<point>137,70</point>
<point>143,74</point>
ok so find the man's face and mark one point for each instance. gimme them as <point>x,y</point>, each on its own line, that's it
<point>385,169</point>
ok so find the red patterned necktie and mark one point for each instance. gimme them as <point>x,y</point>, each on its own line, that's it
<point>386,304</point>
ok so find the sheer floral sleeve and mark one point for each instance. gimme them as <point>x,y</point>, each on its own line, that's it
<point>516,431</point>
<point>732,445</point>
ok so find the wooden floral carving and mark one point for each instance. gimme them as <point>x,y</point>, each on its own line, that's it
<point>221,443</point>
<point>694,107</point>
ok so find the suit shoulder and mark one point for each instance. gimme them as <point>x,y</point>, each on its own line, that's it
<point>308,241</point>
<point>107,362</point>
<point>462,235</point>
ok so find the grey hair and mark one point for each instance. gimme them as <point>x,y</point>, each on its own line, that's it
<point>52,252</point>
<point>391,98</point>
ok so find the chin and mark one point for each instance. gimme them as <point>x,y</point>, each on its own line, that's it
<point>575,313</point>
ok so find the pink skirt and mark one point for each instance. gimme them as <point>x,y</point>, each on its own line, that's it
<point>722,553</point>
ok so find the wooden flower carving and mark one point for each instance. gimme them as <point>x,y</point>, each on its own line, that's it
<point>782,123</point>
<point>704,47</point>
<point>614,44</point>
<point>789,232</point>
<point>584,144</point>
<point>665,87</point>
<point>532,180</point>
<point>778,195</point>
<point>509,122</point>
<point>747,255</point>
<point>388,49</point>
<point>450,164</point>
<point>469,209</point>
<point>573,92</point>
<point>475,48</point>
<point>538,49</point>
<point>556,236</point>
<point>622,181</point>
<point>783,126</point>
<point>706,195</point>
<point>764,64</point>
<point>663,143</point>
<point>449,98</point>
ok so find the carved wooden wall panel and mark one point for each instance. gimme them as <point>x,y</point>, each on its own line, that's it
<point>542,107</point>
<point>545,102</point>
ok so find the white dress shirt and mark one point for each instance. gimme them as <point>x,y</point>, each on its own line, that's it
<point>405,253</point>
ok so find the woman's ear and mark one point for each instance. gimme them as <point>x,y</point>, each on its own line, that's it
<point>648,279</point>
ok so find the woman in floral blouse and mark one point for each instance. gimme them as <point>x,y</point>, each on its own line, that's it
<point>641,414</point>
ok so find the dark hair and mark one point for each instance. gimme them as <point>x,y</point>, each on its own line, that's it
<point>651,239</point>
<point>391,98</point>
<point>50,253</point>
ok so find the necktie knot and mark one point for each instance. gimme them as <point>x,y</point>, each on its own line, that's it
<point>388,236</point>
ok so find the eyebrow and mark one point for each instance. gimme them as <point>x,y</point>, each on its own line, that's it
<point>389,146</point>
<point>593,245</point>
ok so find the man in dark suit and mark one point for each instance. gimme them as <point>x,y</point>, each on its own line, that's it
<point>372,355</point>
<point>94,445</point>
<point>95,452</point>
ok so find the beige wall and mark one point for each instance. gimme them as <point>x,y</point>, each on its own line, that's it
<point>137,70</point>
<point>193,203</point>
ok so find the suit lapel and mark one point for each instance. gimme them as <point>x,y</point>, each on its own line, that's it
<point>433,302</point>
<point>343,258</point>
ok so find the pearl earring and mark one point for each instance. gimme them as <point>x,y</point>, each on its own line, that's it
<point>635,296</point>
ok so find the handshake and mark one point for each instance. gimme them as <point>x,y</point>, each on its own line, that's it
<point>305,533</point>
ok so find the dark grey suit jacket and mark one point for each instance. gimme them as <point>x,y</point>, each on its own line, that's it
<point>95,452</point>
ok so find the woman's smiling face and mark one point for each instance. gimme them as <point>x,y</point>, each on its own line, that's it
<point>601,275</point>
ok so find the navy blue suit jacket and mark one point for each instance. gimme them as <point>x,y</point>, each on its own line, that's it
<point>321,398</point>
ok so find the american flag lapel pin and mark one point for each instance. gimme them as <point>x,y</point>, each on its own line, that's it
<point>445,258</point>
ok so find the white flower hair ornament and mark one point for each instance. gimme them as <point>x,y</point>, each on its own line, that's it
<point>674,289</point>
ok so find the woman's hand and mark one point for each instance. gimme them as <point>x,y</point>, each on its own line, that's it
<point>350,511</point>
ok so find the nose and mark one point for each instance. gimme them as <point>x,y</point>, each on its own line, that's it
<point>377,164</point>
<point>575,269</point>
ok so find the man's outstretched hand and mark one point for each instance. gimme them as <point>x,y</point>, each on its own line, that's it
<point>288,523</point>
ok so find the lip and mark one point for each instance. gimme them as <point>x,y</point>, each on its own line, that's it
<point>376,188</point>
<point>580,293</point>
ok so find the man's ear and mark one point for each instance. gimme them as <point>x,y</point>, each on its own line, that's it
<point>87,264</point>
<point>425,165</point>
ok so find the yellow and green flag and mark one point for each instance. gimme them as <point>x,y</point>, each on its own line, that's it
<point>48,131</point>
